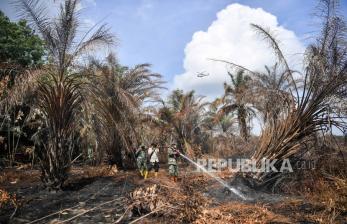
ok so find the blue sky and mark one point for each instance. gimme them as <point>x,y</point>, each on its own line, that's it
<point>176,36</point>
<point>157,31</point>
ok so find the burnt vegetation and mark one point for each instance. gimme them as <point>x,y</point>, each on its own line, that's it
<point>61,110</point>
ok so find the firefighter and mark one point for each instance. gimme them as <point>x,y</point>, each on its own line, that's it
<point>173,155</point>
<point>153,156</point>
<point>141,160</point>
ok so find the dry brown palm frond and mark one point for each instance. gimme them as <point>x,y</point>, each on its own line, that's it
<point>101,37</point>
<point>35,12</point>
<point>24,84</point>
<point>59,101</point>
<point>234,65</point>
<point>266,34</point>
<point>271,89</point>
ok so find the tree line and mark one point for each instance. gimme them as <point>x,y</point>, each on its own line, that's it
<point>62,109</point>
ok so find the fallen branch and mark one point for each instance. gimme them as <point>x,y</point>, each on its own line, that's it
<point>55,213</point>
<point>66,209</point>
<point>76,159</point>
<point>144,216</point>
<point>89,210</point>
<point>122,216</point>
<point>15,210</point>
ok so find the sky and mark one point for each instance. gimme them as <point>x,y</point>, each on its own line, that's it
<point>179,36</point>
<point>173,36</point>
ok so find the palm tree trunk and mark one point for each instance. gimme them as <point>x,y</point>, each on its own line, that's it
<point>54,162</point>
<point>115,153</point>
<point>243,123</point>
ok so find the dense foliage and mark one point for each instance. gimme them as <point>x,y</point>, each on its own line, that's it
<point>19,45</point>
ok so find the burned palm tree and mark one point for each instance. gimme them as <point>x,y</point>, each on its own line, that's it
<point>59,95</point>
<point>118,93</point>
<point>314,108</point>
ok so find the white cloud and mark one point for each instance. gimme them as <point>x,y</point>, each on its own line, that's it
<point>230,37</point>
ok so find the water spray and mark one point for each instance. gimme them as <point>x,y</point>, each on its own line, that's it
<point>218,179</point>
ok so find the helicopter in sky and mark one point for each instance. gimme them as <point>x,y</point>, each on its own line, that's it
<point>202,74</point>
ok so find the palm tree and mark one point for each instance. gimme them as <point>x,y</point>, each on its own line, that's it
<point>118,93</point>
<point>313,110</point>
<point>220,127</point>
<point>59,88</point>
<point>215,120</point>
<point>271,89</point>
<point>183,112</point>
<point>235,99</point>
